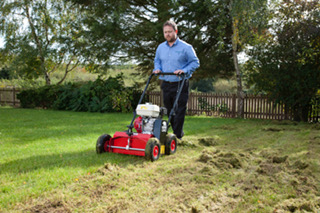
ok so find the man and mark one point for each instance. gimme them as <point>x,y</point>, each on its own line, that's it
<point>175,56</point>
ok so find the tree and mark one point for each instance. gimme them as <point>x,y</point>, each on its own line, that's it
<point>205,25</point>
<point>218,30</point>
<point>41,35</point>
<point>4,73</point>
<point>286,63</point>
<point>138,28</point>
<point>247,18</point>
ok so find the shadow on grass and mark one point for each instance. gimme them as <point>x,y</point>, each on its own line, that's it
<point>26,126</point>
<point>83,159</point>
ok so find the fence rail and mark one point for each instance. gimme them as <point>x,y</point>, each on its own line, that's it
<point>210,104</point>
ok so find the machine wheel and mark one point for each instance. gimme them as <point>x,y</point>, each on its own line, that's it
<point>152,151</point>
<point>101,142</point>
<point>171,144</point>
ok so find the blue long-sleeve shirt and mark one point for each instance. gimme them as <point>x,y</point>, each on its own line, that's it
<point>180,56</point>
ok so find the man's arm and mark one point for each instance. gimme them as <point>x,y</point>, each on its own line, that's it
<point>157,63</point>
<point>193,62</point>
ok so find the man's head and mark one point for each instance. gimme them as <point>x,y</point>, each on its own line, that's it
<point>170,31</point>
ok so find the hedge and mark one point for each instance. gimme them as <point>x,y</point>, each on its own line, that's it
<point>108,95</point>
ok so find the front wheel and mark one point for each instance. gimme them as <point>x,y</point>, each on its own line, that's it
<point>101,143</point>
<point>152,151</point>
<point>171,144</point>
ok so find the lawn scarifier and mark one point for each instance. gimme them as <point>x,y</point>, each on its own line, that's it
<point>151,138</point>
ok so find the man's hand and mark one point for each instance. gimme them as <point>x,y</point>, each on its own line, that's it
<point>156,71</point>
<point>178,72</point>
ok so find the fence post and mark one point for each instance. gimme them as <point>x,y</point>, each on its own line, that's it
<point>286,112</point>
<point>234,105</point>
<point>14,96</point>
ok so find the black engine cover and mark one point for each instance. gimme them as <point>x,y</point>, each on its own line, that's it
<point>160,130</point>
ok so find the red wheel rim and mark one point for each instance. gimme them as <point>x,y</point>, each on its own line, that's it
<point>155,151</point>
<point>106,146</point>
<point>173,145</point>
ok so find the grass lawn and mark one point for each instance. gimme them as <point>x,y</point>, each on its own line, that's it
<point>48,163</point>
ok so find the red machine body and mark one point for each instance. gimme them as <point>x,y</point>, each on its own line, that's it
<point>130,145</point>
<point>138,124</point>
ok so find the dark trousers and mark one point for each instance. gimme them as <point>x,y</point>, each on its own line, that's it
<point>170,91</point>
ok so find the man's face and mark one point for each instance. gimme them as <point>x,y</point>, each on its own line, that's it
<point>169,34</point>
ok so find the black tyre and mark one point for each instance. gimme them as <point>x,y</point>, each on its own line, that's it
<point>152,151</point>
<point>101,142</point>
<point>171,144</point>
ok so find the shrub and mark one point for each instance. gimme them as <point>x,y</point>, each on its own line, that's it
<point>5,73</point>
<point>27,98</point>
<point>203,85</point>
<point>108,95</point>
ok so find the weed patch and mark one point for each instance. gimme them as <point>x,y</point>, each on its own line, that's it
<point>50,206</point>
<point>298,204</point>
<point>188,142</point>
<point>223,160</point>
<point>273,129</point>
<point>209,141</point>
<point>108,168</point>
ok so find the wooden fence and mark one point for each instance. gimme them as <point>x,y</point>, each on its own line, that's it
<point>314,115</point>
<point>210,104</point>
<point>260,107</point>
<point>8,96</point>
<point>225,105</point>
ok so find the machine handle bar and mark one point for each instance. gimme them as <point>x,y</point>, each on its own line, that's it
<point>144,91</point>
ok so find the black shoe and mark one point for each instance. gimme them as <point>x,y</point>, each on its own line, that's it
<point>180,138</point>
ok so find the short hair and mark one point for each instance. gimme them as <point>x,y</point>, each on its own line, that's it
<point>172,24</point>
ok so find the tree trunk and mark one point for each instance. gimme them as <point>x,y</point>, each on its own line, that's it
<point>300,113</point>
<point>44,71</point>
<point>47,77</point>
<point>38,44</point>
<point>67,70</point>
<point>240,94</point>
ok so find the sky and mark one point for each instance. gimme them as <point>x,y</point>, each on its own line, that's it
<point>1,42</point>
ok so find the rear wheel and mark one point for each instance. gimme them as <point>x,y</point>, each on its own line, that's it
<point>152,151</point>
<point>101,143</point>
<point>171,144</point>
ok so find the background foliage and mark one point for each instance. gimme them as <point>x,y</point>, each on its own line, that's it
<point>108,95</point>
<point>40,36</point>
<point>285,63</point>
<point>280,37</point>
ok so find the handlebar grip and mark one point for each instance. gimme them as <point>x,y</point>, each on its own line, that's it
<point>167,73</point>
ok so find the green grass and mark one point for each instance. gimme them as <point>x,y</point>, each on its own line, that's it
<point>42,150</point>
<point>48,163</point>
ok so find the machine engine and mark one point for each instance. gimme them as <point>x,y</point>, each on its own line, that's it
<point>149,114</point>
